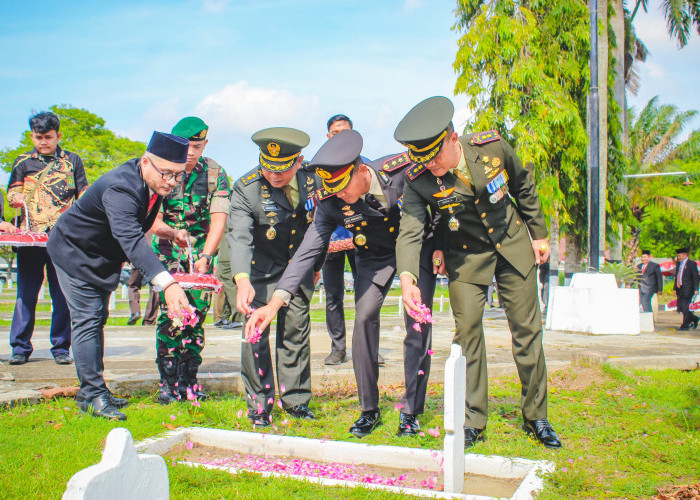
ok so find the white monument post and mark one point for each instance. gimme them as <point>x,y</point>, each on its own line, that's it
<point>121,474</point>
<point>455,397</point>
<point>125,292</point>
<point>112,302</point>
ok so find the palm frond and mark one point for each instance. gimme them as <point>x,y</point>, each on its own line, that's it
<point>686,209</point>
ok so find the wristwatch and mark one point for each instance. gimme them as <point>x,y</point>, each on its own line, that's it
<point>206,256</point>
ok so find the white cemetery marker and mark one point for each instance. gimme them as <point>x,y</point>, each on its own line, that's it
<point>121,474</point>
<point>320,295</point>
<point>112,302</point>
<point>2,283</point>
<point>442,302</point>
<point>9,284</point>
<point>42,292</point>
<point>455,396</point>
<point>125,291</point>
<point>400,307</point>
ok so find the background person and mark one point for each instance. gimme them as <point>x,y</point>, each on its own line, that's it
<point>686,286</point>
<point>48,180</point>
<point>651,280</point>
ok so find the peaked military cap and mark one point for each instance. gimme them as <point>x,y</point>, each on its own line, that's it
<point>168,147</point>
<point>646,252</point>
<point>191,128</point>
<point>280,147</point>
<point>682,250</point>
<point>424,128</point>
<point>334,162</point>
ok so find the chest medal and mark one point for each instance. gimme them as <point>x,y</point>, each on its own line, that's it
<point>452,223</point>
<point>360,239</point>
<point>271,233</point>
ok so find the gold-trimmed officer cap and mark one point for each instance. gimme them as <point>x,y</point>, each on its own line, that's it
<point>280,147</point>
<point>424,128</point>
<point>191,128</point>
<point>335,161</point>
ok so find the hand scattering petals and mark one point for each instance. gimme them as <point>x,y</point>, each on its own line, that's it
<point>423,316</point>
<point>254,337</point>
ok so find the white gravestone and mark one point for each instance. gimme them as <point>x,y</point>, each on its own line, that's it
<point>112,302</point>
<point>593,303</point>
<point>455,396</point>
<point>125,292</point>
<point>122,474</point>
<point>42,292</point>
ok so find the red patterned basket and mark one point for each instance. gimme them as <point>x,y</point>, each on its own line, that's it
<point>341,245</point>
<point>196,281</point>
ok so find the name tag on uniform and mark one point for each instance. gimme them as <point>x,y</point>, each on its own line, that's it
<point>269,207</point>
<point>450,201</point>
<point>352,220</point>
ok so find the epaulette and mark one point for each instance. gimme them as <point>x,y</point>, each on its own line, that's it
<point>247,179</point>
<point>415,171</point>
<point>323,194</point>
<point>397,161</point>
<point>485,137</point>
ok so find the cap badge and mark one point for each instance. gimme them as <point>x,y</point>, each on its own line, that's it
<point>323,174</point>
<point>274,149</point>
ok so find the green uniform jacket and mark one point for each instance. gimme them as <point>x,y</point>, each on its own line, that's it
<point>265,230</point>
<point>487,225</point>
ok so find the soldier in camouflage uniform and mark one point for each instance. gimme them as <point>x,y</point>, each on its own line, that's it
<point>195,211</point>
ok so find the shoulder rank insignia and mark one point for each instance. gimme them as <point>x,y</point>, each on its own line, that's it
<point>485,137</point>
<point>247,179</point>
<point>323,194</point>
<point>415,171</point>
<point>396,162</point>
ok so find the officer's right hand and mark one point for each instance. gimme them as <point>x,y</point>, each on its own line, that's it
<point>6,227</point>
<point>245,295</point>
<point>176,300</point>
<point>410,295</point>
<point>180,238</point>
<point>262,317</point>
<point>17,200</point>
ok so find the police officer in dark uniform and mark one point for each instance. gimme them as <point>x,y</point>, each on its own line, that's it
<point>490,212</point>
<point>366,199</point>
<point>271,209</point>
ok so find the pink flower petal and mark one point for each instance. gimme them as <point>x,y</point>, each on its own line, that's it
<point>190,445</point>
<point>172,417</point>
<point>260,371</point>
<point>430,352</point>
<point>240,413</point>
<point>398,406</point>
<point>421,372</point>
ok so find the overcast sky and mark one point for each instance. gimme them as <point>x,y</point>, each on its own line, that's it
<point>243,66</point>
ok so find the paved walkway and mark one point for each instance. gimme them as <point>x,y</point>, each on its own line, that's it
<point>130,354</point>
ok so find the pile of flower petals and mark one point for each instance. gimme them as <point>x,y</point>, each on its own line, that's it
<point>328,470</point>
<point>424,315</point>
<point>254,337</point>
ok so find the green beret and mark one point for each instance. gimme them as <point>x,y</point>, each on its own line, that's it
<point>424,128</point>
<point>280,147</point>
<point>191,128</point>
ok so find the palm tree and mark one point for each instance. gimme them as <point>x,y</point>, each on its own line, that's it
<point>654,148</point>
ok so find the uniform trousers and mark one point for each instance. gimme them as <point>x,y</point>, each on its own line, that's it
<point>416,360</point>
<point>334,285</point>
<point>519,298</point>
<point>293,358</point>
<point>683,305</point>
<point>31,262</point>
<point>89,309</point>
<point>645,301</point>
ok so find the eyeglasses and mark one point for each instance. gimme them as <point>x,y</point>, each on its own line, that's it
<point>166,176</point>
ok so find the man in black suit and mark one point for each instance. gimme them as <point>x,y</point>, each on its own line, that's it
<point>91,241</point>
<point>651,280</point>
<point>366,199</point>
<point>686,286</point>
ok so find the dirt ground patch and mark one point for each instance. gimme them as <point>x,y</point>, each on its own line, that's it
<point>578,378</point>
<point>681,492</point>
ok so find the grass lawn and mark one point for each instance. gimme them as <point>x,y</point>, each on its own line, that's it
<point>625,434</point>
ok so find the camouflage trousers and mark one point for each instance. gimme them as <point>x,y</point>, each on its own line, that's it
<point>187,342</point>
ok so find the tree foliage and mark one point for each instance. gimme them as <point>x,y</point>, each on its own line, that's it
<point>85,134</point>
<point>524,65</point>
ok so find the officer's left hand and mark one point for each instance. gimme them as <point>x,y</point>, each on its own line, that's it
<point>201,266</point>
<point>317,276</point>
<point>410,295</point>
<point>180,238</point>
<point>439,262</point>
<point>262,316</point>
<point>541,249</point>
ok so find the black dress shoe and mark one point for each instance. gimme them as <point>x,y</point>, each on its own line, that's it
<point>684,328</point>
<point>472,435</point>
<point>100,406</point>
<point>220,323</point>
<point>380,360</point>
<point>335,358</point>
<point>118,402</point>
<point>18,359</point>
<point>63,359</point>
<point>368,421</point>
<point>259,419</point>
<point>408,425</point>
<point>301,411</point>
<point>233,325</point>
<point>542,431</point>
<point>133,319</point>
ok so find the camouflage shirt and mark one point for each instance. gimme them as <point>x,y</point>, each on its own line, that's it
<point>189,206</point>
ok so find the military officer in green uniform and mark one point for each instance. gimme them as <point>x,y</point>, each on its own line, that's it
<point>272,206</point>
<point>492,225</point>
<point>193,216</point>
